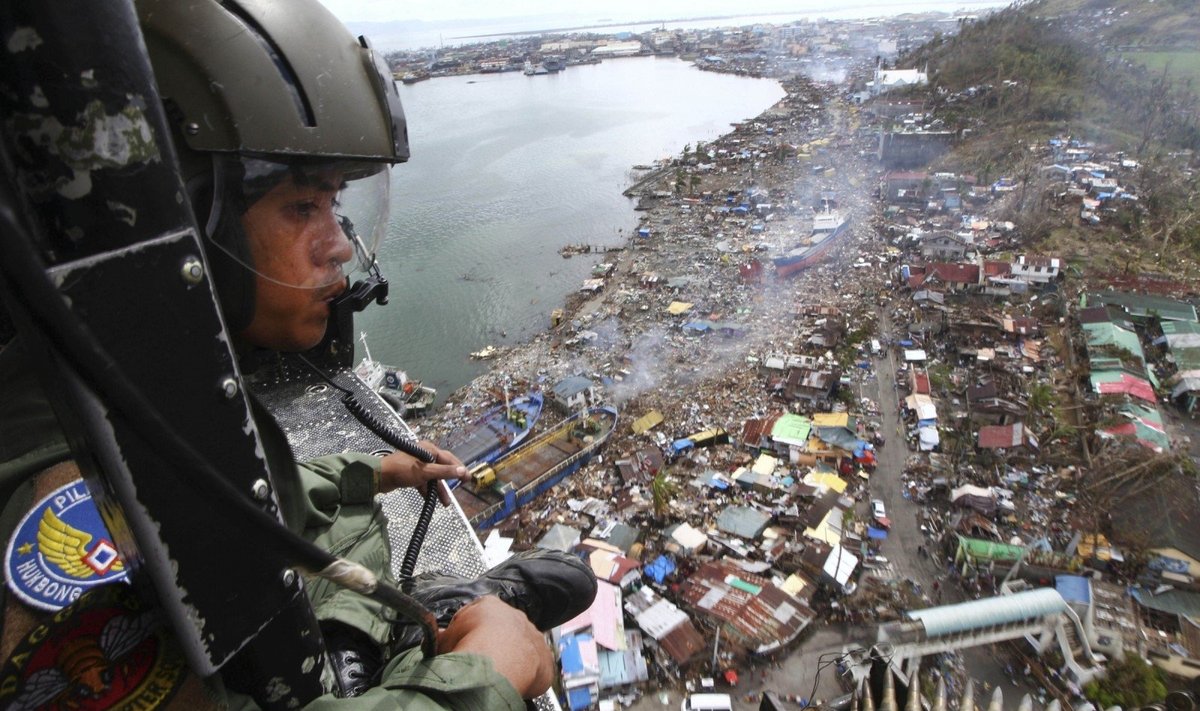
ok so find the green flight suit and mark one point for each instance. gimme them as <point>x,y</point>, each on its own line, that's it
<point>331,501</point>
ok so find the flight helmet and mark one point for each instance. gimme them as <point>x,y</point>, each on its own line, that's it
<point>259,90</point>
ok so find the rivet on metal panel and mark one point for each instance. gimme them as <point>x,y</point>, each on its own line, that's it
<point>192,270</point>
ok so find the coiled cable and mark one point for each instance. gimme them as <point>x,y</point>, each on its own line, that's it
<point>388,433</point>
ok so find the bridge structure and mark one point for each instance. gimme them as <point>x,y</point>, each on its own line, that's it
<point>1040,616</point>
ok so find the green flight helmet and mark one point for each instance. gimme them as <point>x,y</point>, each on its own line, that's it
<point>257,91</point>
<point>282,78</point>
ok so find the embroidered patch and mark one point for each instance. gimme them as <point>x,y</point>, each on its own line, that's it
<point>105,651</point>
<point>60,550</point>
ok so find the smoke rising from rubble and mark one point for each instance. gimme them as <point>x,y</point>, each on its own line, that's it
<point>646,365</point>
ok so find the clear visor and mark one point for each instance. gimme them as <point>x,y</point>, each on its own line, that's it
<point>305,224</point>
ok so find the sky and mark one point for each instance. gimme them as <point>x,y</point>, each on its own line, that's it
<point>592,10</point>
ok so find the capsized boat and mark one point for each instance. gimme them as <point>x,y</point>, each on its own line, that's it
<point>485,353</point>
<point>409,398</point>
<point>499,489</point>
<point>828,227</point>
<point>498,431</point>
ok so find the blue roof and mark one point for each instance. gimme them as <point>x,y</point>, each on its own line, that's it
<point>569,655</point>
<point>579,698</point>
<point>660,568</point>
<point>1073,588</point>
<point>966,616</point>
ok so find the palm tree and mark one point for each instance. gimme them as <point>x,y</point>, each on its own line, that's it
<point>1041,399</point>
<point>662,491</point>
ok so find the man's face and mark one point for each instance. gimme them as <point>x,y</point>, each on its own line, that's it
<point>298,249</point>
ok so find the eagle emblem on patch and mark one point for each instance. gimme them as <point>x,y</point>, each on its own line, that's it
<point>60,550</point>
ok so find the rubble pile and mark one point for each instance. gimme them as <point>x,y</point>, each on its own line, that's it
<point>921,418</point>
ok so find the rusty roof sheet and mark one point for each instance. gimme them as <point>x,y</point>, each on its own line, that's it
<point>751,606</point>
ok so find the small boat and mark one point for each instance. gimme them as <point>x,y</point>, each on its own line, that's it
<point>828,227</point>
<point>414,77</point>
<point>497,490</point>
<point>485,353</point>
<point>498,431</point>
<point>408,398</point>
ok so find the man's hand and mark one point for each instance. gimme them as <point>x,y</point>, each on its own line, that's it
<point>398,470</point>
<point>491,628</point>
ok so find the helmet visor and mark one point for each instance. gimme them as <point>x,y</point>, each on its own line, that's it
<point>304,224</point>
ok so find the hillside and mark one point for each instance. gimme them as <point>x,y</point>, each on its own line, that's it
<point>1049,64</point>
<point>1062,68</point>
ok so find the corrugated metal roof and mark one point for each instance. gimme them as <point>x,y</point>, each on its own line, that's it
<point>762,619</point>
<point>1177,602</point>
<point>743,521</point>
<point>572,385</point>
<point>1001,436</point>
<point>683,643</point>
<point>1144,305</point>
<point>1005,609</point>
<point>625,667</point>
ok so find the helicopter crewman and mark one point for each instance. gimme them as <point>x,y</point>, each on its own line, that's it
<point>285,137</point>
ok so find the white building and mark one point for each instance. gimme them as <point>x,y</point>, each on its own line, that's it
<point>1037,270</point>
<point>889,79</point>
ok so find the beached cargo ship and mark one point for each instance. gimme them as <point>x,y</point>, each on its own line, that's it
<point>828,227</point>
<point>500,430</point>
<point>499,489</point>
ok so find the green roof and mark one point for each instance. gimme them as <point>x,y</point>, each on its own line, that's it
<point>1172,328</point>
<point>1175,602</point>
<point>1110,334</point>
<point>791,428</point>
<point>980,549</point>
<point>1142,306</point>
<point>1183,338</point>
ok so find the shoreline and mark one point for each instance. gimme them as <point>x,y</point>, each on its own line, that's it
<point>550,354</point>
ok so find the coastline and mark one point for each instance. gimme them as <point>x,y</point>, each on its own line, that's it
<point>695,381</point>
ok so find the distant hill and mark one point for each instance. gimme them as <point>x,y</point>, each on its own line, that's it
<point>1120,74</point>
<point>1094,65</point>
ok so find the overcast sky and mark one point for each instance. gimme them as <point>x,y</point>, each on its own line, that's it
<point>617,10</point>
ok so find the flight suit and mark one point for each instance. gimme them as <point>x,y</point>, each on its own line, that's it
<point>330,501</point>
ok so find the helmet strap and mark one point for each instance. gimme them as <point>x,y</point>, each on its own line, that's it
<point>216,199</point>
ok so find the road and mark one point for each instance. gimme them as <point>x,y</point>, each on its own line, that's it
<point>984,664</point>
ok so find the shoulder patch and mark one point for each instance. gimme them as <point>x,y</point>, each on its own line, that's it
<point>60,550</point>
<point>105,651</point>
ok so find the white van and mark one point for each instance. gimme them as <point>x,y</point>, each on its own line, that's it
<point>707,702</point>
<point>876,348</point>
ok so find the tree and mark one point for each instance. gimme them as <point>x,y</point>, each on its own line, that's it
<point>1041,399</point>
<point>694,182</point>
<point>1129,683</point>
<point>662,491</point>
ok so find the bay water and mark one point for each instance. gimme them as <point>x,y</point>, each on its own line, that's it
<point>508,168</point>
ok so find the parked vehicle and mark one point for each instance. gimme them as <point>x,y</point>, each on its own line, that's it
<point>707,702</point>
